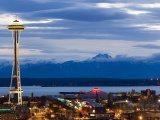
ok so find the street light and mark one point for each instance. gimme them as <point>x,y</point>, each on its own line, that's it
<point>127,105</point>
<point>140,117</point>
<point>158,104</point>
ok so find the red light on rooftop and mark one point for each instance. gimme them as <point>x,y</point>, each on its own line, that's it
<point>96,90</point>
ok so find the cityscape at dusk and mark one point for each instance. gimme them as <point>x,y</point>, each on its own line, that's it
<point>79,60</point>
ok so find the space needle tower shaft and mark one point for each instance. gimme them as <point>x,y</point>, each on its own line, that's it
<point>15,84</point>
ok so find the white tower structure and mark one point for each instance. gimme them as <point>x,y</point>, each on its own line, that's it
<point>15,84</point>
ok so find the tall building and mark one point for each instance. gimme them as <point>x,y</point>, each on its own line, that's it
<point>148,93</point>
<point>15,84</point>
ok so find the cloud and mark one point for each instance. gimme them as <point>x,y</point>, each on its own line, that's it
<point>113,5</point>
<point>154,58</point>
<point>123,6</point>
<point>88,47</point>
<point>148,46</point>
<point>42,1</point>
<point>6,18</point>
<point>40,21</point>
<point>136,12</point>
<point>23,52</point>
<point>149,26</point>
<point>81,14</point>
<point>49,28</point>
<point>151,5</point>
<point>27,6</point>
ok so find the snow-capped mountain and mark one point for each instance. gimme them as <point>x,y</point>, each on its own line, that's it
<point>102,57</point>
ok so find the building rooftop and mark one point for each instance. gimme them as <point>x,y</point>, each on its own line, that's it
<point>92,102</point>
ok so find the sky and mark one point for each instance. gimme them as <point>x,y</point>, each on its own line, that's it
<point>80,29</point>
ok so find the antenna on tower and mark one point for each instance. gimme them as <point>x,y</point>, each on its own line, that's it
<point>16,16</point>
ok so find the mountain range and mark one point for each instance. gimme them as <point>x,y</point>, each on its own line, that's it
<point>100,66</point>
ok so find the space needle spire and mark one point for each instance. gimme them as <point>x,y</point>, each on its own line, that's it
<point>15,84</point>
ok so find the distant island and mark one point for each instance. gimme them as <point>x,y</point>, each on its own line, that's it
<point>75,82</point>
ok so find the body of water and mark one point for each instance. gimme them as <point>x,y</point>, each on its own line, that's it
<point>39,91</point>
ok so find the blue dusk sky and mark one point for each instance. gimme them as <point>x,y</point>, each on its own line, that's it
<point>80,29</point>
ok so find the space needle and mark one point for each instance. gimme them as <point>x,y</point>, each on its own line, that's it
<point>15,83</point>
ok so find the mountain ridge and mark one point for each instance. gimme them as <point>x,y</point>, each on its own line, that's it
<point>100,66</point>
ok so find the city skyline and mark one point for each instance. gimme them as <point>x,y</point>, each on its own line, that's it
<point>78,30</point>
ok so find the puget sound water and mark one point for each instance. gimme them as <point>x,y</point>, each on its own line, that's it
<point>39,91</point>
